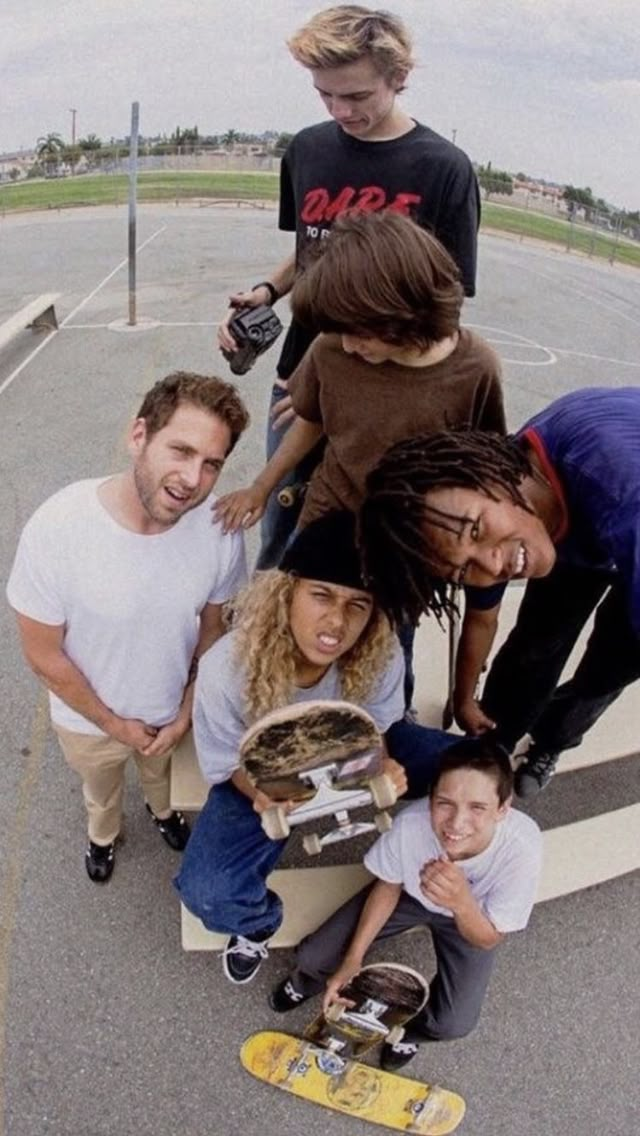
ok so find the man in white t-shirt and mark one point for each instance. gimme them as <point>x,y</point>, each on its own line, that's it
<point>461,863</point>
<point>118,585</point>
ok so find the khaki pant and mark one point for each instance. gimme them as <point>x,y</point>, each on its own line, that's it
<point>100,762</point>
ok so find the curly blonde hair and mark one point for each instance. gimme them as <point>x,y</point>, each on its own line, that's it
<point>349,32</point>
<point>266,649</point>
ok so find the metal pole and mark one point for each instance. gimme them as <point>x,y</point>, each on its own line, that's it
<point>133,178</point>
<point>616,241</point>
<point>73,113</point>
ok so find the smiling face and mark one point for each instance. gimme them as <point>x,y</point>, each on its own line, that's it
<point>489,541</point>
<point>326,621</point>
<point>465,811</point>
<point>361,100</point>
<point>177,467</point>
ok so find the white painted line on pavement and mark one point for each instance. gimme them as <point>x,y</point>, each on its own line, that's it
<point>589,852</point>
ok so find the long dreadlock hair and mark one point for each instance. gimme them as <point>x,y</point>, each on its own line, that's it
<point>399,560</point>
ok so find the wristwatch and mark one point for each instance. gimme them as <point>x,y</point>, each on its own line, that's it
<point>273,294</point>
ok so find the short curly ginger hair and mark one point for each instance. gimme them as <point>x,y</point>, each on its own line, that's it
<point>205,392</point>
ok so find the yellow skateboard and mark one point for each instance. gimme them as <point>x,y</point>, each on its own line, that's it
<point>318,1075</point>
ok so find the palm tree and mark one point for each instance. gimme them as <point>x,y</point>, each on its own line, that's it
<point>230,138</point>
<point>49,150</point>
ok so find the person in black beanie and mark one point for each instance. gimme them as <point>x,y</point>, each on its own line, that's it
<point>310,629</point>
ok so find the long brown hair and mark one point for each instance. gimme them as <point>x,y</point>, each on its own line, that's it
<point>381,275</point>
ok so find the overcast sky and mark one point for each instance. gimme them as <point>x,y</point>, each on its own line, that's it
<point>550,87</point>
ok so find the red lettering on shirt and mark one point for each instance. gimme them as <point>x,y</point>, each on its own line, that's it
<point>340,204</point>
<point>371,198</point>
<point>402,203</point>
<point>318,206</point>
<point>315,203</point>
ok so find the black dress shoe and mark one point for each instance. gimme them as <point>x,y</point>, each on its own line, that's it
<point>99,861</point>
<point>173,829</point>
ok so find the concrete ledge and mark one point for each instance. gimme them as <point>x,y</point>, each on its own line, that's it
<point>309,896</point>
<point>575,856</point>
<point>188,787</point>
<point>38,313</point>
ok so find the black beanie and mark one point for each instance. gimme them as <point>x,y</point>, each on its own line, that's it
<point>326,550</point>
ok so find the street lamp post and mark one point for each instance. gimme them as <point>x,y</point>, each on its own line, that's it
<point>73,112</point>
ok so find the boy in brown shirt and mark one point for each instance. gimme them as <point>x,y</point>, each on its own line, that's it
<point>392,362</point>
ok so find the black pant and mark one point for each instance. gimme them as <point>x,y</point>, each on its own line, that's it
<point>521,692</point>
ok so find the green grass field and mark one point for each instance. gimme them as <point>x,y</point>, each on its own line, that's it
<point>113,189</point>
<point>578,238</point>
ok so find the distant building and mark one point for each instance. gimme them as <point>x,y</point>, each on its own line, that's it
<point>20,161</point>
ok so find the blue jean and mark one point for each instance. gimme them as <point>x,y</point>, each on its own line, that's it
<point>419,750</point>
<point>223,876</point>
<point>279,521</point>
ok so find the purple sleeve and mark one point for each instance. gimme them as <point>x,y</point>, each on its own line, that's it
<point>482,599</point>
<point>622,539</point>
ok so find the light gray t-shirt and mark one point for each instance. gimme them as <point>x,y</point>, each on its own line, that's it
<point>503,879</point>
<point>219,714</point>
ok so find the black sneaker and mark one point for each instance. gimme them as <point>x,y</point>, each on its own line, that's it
<point>242,958</point>
<point>534,773</point>
<point>393,1057</point>
<point>285,997</point>
<point>99,861</point>
<point>173,829</point>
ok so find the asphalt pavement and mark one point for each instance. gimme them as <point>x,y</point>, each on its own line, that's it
<point>107,1025</point>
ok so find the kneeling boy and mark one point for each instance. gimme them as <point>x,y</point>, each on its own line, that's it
<point>462,863</point>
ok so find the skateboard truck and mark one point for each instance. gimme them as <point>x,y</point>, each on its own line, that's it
<point>367,1020</point>
<point>329,801</point>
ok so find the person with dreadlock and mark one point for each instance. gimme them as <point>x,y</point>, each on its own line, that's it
<point>311,629</point>
<point>392,362</point>
<point>558,506</point>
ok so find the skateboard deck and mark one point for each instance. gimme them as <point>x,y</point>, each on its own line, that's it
<point>322,1077</point>
<point>326,755</point>
<point>378,1002</point>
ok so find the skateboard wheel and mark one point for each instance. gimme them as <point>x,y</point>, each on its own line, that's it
<point>382,822</point>
<point>312,844</point>
<point>274,823</point>
<point>395,1035</point>
<point>286,498</point>
<point>383,791</point>
<point>335,1012</point>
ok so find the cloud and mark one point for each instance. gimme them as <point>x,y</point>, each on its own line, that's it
<point>549,86</point>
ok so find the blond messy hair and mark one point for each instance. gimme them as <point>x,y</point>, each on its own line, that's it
<point>266,650</point>
<point>349,32</point>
